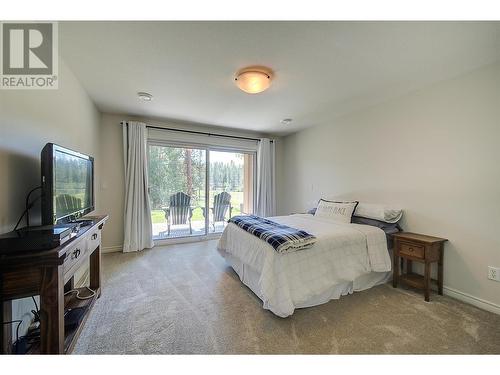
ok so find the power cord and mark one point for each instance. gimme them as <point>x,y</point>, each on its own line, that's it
<point>36,312</point>
<point>19,322</point>
<point>34,336</point>
<point>77,291</point>
<point>28,206</point>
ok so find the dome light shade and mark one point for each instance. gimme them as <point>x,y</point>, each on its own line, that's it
<point>253,81</point>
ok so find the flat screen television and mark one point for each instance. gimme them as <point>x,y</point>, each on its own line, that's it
<point>67,184</point>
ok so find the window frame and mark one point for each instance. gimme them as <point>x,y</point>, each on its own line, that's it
<point>207,148</point>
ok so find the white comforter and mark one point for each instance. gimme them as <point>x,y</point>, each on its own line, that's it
<point>342,253</point>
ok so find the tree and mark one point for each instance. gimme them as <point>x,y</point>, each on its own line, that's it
<point>188,169</point>
<point>174,169</point>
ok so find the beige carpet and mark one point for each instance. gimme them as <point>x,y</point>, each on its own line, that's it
<point>184,299</point>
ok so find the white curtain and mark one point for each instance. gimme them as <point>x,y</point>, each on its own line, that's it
<point>137,225</point>
<point>266,202</point>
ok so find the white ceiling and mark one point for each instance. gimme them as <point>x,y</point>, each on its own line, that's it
<point>322,69</point>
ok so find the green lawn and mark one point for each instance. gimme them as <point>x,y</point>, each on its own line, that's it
<point>158,216</point>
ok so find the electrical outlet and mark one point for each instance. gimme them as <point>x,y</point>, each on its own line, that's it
<point>494,273</point>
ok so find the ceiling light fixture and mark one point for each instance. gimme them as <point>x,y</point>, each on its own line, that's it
<point>253,80</point>
<point>144,96</point>
<point>286,121</point>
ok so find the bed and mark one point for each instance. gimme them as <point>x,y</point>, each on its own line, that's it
<point>346,258</point>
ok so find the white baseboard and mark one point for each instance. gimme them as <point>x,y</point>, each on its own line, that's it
<point>467,298</point>
<point>181,240</point>
<point>112,249</point>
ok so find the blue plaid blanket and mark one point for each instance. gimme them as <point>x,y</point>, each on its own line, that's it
<point>281,237</point>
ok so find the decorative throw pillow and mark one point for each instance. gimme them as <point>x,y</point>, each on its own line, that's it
<point>337,211</point>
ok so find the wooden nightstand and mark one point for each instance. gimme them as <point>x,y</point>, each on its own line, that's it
<point>418,248</point>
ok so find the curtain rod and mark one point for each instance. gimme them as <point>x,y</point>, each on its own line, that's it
<point>204,133</point>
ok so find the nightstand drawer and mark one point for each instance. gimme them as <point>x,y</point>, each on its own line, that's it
<point>416,251</point>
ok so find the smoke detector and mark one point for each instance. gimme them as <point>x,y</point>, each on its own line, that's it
<point>144,96</point>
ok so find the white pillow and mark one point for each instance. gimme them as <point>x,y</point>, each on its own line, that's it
<point>340,212</point>
<point>378,212</point>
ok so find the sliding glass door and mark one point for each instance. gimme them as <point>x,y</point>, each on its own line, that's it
<point>177,189</point>
<point>231,187</point>
<point>194,191</point>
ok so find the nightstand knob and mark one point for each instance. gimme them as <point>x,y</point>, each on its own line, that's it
<point>410,248</point>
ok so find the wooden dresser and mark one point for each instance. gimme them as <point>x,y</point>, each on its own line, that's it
<point>49,273</point>
<point>419,248</point>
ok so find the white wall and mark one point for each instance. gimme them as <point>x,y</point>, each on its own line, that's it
<point>112,189</point>
<point>435,152</point>
<point>28,120</point>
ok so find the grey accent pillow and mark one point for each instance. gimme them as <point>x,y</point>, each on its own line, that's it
<point>388,228</point>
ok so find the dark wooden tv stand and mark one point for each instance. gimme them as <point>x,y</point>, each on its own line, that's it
<point>49,273</point>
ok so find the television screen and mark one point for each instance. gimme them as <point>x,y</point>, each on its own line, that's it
<point>67,182</point>
<point>72,184</point>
